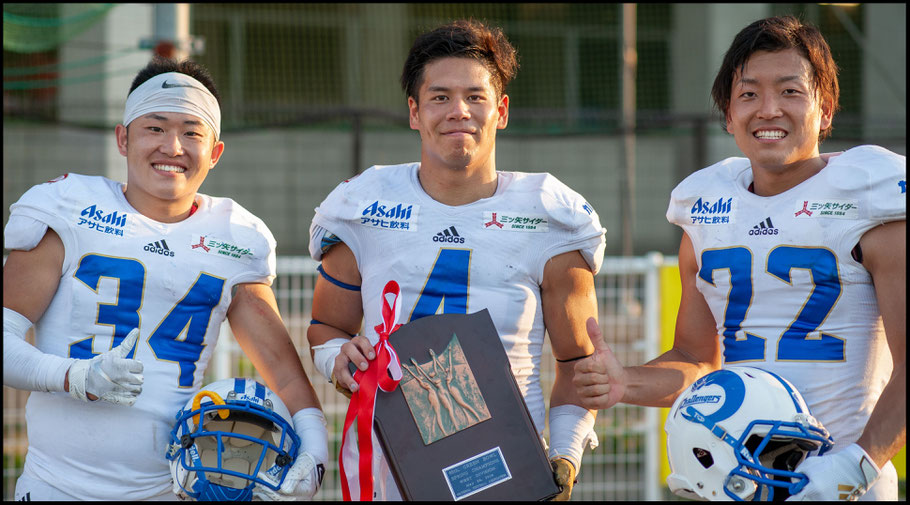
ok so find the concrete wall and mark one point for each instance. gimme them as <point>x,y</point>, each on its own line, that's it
<point>282,175</point>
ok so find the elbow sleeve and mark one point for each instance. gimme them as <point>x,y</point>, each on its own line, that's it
<point>24,366</point>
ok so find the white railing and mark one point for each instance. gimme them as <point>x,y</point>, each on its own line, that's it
<point>624,467</point>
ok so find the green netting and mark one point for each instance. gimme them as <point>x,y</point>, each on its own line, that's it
<point>35,27</point>
<point>337,65</point>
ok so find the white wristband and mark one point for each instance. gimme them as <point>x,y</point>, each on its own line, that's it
<point>571,429</point>
<point>324,356</point>
<point>25,366</point>
<point>309,423</point>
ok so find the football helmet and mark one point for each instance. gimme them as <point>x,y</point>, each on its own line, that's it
<point>225,435</point>
<point>739,434</point>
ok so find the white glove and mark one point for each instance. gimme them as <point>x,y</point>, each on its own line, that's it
<point>305,476</point>
<point>110,376</point>
<point>845,475</point>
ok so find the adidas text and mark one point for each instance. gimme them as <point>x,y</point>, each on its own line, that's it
<point>450,238</point>
<point>763,231</point>
<point>449,235</point>
<point>159,248</point>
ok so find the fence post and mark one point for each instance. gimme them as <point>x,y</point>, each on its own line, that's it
<point>652,346</point>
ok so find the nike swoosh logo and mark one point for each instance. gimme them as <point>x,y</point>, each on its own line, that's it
<point>165,85</point>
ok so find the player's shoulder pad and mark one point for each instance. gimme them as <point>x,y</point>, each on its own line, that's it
<point>343,202</point>
<point>719,174</point>
<point>874,176</point>
<point>56,203</point>
<point>57,195</point>
<point>710,182</point>
<point>243,226</point>
<point>565,208</point>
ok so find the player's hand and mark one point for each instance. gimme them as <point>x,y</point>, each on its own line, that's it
<point>600,379</point>
<point>845,475</point>
<point>110,376</point>
<point>304,477</point>
<point>564,474</point>
<point>301,482</point>
<point>358,351</point>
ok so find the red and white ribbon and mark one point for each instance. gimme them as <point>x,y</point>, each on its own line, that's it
<point>383,372</point>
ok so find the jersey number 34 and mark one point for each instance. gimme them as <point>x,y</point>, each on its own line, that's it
<point>191,314</point>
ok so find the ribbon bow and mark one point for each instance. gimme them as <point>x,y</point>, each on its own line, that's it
<point>384,373</point>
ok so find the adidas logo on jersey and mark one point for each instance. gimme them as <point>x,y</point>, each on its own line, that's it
<point>449,235</point>
<point>764,228</point>
<point>159,247</point>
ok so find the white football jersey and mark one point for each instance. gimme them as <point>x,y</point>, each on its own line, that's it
<point>123,270</point>
<point>489,254</point>
<point>778,275</point>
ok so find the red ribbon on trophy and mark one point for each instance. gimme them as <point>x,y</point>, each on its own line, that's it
<point>383,372</point>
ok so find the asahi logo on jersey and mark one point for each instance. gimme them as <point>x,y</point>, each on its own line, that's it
<point>207,244</point>
<point>764,228</point>
<point>814,208</point>
<point>389,215</point>
<point>712,210</point>
<point>96,219</point>
<point>902,184</point>
<point>159,247</point>
<point>513,221</point>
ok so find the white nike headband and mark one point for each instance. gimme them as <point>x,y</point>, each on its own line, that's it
<point>174,92</point>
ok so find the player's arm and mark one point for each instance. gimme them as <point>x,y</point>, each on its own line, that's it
<point>337,317</point>
<point>259,330</point>
<point>602,381</point>
<point>885,257</point>
<point>30,281</point>
<point>696,349</point>
<point>568,300</point>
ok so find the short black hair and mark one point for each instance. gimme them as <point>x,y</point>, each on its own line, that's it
<point>462,39</point>
<point>162,65</point>
<point>777,34</point>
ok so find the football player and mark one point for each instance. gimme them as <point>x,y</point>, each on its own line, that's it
<point>791,262</point>
<point>459,236</point>
<point>127,286</point>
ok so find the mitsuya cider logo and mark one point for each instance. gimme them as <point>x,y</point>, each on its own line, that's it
<point>711,211</point>
<point>389,215</point>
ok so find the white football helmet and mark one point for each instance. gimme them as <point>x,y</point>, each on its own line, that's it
<point>225,435</point>
<point>738,434</point>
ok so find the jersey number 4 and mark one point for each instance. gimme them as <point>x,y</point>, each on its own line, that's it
<point>794,343</point>
<point>190,315</point>
<point>447,285</point>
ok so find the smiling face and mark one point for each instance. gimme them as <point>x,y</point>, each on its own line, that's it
<point>169,155</point>
<point>457,114</point>
<point>775,112</point>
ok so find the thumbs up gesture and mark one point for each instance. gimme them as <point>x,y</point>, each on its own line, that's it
<point>600,379</point>
<point>110,376</point>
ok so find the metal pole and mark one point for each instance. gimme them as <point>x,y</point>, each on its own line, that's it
<point>172,30</point>
<point>629,66</point>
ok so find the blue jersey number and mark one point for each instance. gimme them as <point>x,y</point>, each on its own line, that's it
<point>189,318</point>
<point>447,285</point>
<point>794,343</point>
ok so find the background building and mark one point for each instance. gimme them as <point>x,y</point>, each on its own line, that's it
<point>311,96</point>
